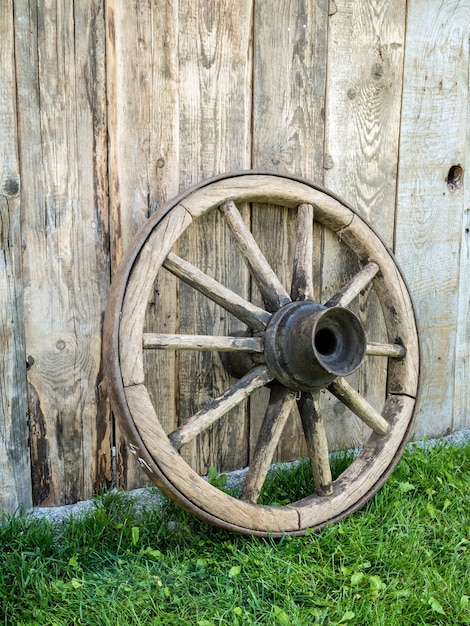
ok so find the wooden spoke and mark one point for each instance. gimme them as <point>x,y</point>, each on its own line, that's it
<point>393,350</point>
<point>355,286</point>
<point>281,402</point>
<point>218,407</point>
<point>302,280</point>
<point>359,406</point>
<point>317,444</point>
<point>273,293</point>
<point>254,317</point>
<point>216,343</point>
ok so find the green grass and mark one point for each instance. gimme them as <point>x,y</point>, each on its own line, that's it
<point>403,560</point>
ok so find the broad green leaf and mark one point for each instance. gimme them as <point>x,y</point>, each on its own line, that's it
<point>436,605</point>
<point>234,571</point>
<point>281,616</point>
<point>152,552</point>
<point>347,617</point>
<point>405,487</point>
<point>376,583</point>
<point>356,578</point>
<point>135,535</point>
<point>212,474</point>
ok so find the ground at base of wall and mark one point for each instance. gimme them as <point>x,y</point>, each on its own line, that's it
<point>146,497</point>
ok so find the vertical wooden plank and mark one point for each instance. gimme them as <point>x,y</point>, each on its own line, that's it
<point>289,87</point>
<point>214,52</point>
<point>364,86</point>
<point>462,358</point>
<point>189,63</point>
<point>429,217</point>
<point>365,77</point>
<point>15,470</point>
<point>62,119</point>
<point>142,74</point>
<point>288,132</point>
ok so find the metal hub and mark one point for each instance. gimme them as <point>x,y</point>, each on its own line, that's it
<point>307,345</point>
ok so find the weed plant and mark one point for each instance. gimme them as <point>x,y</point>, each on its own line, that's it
<point>403,560</point>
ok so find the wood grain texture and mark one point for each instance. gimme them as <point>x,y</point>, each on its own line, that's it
<point>353,288</point>
<point>288,132</point>
<point>289,86</point>
<point>462,356</point>
<point>302,287</point>
<point>359,406</point>
<point>253,316</point>
<point>429,215</point>
<point>317,443</point>
<point>143,74</point>
<point>365,75</point>
<point>190,121</point>
<point>214,55</point>
<point>15,470</point>
<point>138,290</point>
<point>362,129</point>
<point>60,73</point>
<point>373,461</point>
<point>281,401</point>
<point>336,92</point>
<point>186,481</point>
<point>216,343</point>
<point>272,291</point>
<point>219,407</point>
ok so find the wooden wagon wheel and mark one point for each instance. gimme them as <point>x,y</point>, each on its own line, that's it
<point>302,347</point>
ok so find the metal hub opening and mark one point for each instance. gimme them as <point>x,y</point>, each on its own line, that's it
<point>326,342</point>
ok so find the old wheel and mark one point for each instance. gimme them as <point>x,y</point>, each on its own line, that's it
<point>297,348</point>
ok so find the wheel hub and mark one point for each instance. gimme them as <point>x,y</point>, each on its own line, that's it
<point>307,345</point>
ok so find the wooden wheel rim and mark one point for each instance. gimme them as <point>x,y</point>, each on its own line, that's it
<point>124,369</point>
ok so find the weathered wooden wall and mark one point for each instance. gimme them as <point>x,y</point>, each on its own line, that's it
<point>108,109</point>
<point>15,473</point>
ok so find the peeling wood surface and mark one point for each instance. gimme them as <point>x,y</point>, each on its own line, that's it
<point>106,113</point>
